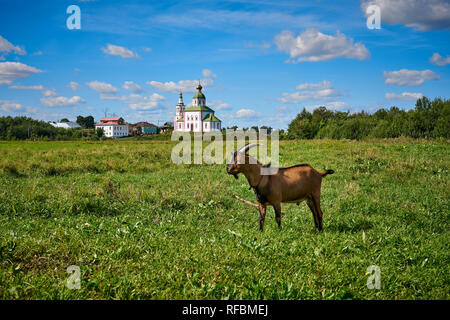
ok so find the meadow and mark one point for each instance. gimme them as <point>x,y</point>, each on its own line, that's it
<point>140,227</point>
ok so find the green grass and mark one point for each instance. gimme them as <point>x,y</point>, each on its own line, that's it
<point>140,227</point>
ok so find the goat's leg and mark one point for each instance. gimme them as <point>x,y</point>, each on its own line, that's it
<point>316,201</point>
<point>312,207</point>
<point>262,216</point>
<point>277,208</point>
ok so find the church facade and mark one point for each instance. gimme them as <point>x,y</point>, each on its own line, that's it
<point>196,118</point>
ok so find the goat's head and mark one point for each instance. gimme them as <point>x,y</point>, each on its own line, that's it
<point>239,159</point>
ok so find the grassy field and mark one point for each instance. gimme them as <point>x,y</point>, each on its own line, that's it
<point>141,227</point>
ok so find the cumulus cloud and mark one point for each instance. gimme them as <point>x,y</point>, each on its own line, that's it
<point>6,47</point>
<point>403,96</point>
<point>312,45</point>
<point>247,113</point>
<point>102,87</point>
<point>208,74</point>
<point>119,51</point>
<point>405,77</point>
<point>321,91</point>
<point>131,86</point>
<point>219,105</point>
<point>422,15</point>
<point>10,106</point>
<point>10,71</point>
<point>61,101</point>
<point>438,60</point>
<point>147,103</point>
<point>49,93</point>
<point>73,85</point>
<point>184,85</point>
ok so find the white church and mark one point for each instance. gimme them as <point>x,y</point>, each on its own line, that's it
<point>196,118</point>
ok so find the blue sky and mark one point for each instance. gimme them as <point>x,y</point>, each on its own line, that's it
<point>260,62</point>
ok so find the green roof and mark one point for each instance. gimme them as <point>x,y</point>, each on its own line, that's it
<point>180,120</point>
<point>211,117</point>
<point>199,108</point>
<point>199,94</point>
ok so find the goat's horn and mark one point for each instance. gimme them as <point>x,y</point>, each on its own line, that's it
<point>245,148</point>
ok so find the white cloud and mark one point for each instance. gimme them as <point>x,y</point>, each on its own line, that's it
<point>21,87</point>
<point>403,96</point>
<point>180,86</point>
<point>61,101</point>
<point>312,45</point>
<point>10,71</point>
<point>247,113</point>
<point>219,105</point>
<point>438,60</point>
<point>10,106</point>
<point>49,93</point>
<point>147,49</point>
<point>73,85</point>
<point>131,86</point>
<point>314,86</point>
<point>422,15</point>
<point>208,74</point>
<point>119,51</point>
<point>6,47</point>
<point>102,87</point>
<point>405,77</point>
<point>185,85</point>
<point>147,103</point>
<point>321,91</point>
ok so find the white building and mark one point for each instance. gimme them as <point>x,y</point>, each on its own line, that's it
<point>196,118</point>
<point>113,127</point>
<point>66,125</point>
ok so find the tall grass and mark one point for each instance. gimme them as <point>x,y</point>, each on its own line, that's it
<point>141,227</point>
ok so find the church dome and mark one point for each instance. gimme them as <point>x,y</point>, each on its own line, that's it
<point>199,94</point>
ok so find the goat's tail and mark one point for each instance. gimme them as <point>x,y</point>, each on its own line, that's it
<point>324,173</point>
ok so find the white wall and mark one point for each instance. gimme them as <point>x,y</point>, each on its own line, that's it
<point>114,131</point>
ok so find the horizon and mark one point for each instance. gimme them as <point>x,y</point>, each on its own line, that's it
<point>259,62</point>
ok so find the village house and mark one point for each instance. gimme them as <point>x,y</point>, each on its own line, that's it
<point>144,128</point>
<point>113,127</point>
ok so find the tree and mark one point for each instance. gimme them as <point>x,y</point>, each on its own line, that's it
<point>100,132</point>
<point>64,120</point>
<point>86,122</point>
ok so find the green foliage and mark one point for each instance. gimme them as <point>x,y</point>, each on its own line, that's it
<point>429,119</point>
<point>86,122</point>
<point>141,227</point>
<point>21,128</point>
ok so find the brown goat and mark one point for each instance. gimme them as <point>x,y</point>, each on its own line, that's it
<point>293,184</point>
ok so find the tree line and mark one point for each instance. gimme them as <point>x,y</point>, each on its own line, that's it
<point>429,119</point>
<point>21,128</point>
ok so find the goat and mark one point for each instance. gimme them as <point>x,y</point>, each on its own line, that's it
<point>292,185</point>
